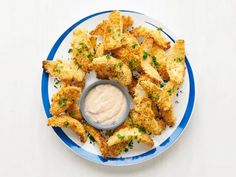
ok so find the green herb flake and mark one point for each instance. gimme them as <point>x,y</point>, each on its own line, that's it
<point>90,57</point>
<point>91,138</point>
<point>70,50</point>
<point>66,123</point>
<point>142,129</point>
<point>178,59</point>
<point>62,102</point>
<point>156,97</point>
<point>108,56</point>
<point>134,45</point>
<point>148,105</point>
<point>154,61</point>
<point>170,91</point>
<point>72,114</point>
<point>159,29</point>
<point>119,64</point>
<point>126,150</point>
<point>130,144</point>
<point>133,65</point>
<point>145,55</point>
<point>120,136</point>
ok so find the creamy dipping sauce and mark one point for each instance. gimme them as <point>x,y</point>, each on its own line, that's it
<point>105,104</point>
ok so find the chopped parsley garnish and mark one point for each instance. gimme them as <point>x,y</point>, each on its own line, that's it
<point>141,129</point>
<point>130,144</point>
<point>162,84</point>
<point>154,61</point>
<point>178,59</point>
<point>90,57</point>
<point>134,45</point>
<point>70,50</point>
<point>156,97</point>
<point>66,123</point>
<point>159,29</point>
<point>170,91</point>
<point>108,56</point>
<point>148,105</point>
<point>126,150</point>
<point>166,80</point>
<point>56,82</point>
<point>119,64</point>
<point>145,55</point>
<point>62,102</point>
<point>120,136</point>
<point>109,29</point>
<point>82,44</point>
<point>133,65</point>
<point>91,138</point>
<point>72,114</point>
<point>79,50</point>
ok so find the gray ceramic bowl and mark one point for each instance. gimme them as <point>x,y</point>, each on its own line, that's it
<point>98,125</point>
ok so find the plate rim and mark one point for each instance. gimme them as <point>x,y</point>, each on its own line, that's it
<point>121,161</point>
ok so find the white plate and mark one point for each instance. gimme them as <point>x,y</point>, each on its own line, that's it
<point>183,103</point>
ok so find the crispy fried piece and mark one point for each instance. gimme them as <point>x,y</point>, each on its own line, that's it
<point>147,63</point>
<point>63,70</point>
<point>143,115</point>
<point>160,61</point>
<point>175,62</point>
<point>129,52</point>
<point>93,40</point>
<point>63,99</point>
<point>82,49</point>
<point>67,121</point>
<point>113,31</point>
<point>127,22</point>
<point>166,96</point>
<point>99,138</point>
<point>151,89</point>
<point>100,50</point>
<point>115,69</point>
<point>128,134</point>
<point>168,117</point>
<point>154,34</point>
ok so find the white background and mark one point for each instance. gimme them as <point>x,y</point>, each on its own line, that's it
<point>28,148</point>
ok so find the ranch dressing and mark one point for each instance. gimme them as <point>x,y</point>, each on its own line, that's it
<point>105,104</point>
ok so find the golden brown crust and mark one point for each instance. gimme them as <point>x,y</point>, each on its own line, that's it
<point>108,66</point>
<point>63,99</point>
<point>63,70</point>
<point>67,121</point>
<point>99,138</point>
<point>127,134</point>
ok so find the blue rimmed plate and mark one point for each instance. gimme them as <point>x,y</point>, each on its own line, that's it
<point>183,107</point>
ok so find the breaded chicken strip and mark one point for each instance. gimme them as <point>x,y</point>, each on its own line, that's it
<point>154,34</point>
<point>127,21</point>
<point>67,121</point>
<point>100,51</point>
<point>115,69</point>
<point>99,138</point>
<point>143,115</point>
<point>176,62</point>
<point>74,111</point>
<point>127,134</point>
<point>151,89</point>
<point>63,70</point>
<point>82,49</point>
<point>129,52</point>
<point>113,31</point>
<point>63,99</point>
<point>147,61</point>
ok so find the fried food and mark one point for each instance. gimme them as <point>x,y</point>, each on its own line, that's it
<point>69,122</point>
<point>63,99</point>
<point>154,34</point>
<point>108,66</point>
<point>127,134</point>
<point>99,138</point>
<point>140,59</point>
<point>113,29</point>
<point>175,63</point>
<point>143,115</point>
<point>82,49</point>
<point>63,70</point>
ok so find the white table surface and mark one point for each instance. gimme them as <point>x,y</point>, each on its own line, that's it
<point>29,29</point>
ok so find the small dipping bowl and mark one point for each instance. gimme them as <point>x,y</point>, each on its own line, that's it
<point>99,125</point>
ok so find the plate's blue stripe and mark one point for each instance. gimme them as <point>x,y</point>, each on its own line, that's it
<point>116,161</point>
